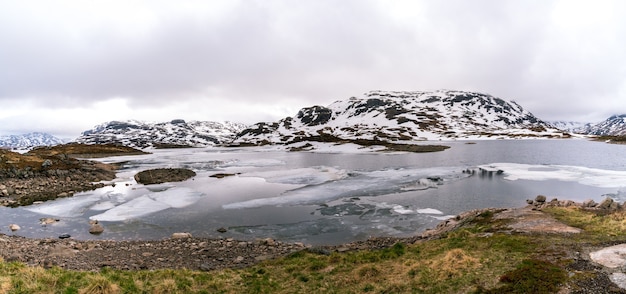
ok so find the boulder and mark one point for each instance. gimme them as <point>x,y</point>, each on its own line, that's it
<point>540,199</point>
<point>222,230</point>
<point>163,175</point>
<point>589,203</point>
<point>14,227</point>
<point>606,203</point>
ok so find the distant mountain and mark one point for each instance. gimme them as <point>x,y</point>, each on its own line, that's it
<point>28,141</point>
<point>571,126</point>
<point>176,133</point>
<point>612,126</point>
<point>404,116</point>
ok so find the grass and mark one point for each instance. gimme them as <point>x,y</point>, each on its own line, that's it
<point>474,259</point>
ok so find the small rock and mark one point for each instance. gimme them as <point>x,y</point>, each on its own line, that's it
<point>529,201</point>
<point>239,259</point>
<point>222,230</point>
<point>184,235</point>
<point>206,267</point>
<point>64,236</point>
<point>14,227</point>
<point>268,242</point>
<point>540,199</point>
<point>96,229</point>
<point>46,163</point>
<point>221,175</point>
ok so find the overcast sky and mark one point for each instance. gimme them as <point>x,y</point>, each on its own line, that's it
<point>66,66</point>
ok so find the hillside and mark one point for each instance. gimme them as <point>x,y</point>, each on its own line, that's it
<point>27,141</point>
<point>571,126</point>
<point>404,117</point>
<point>176,133</point>
<point>612,126</point>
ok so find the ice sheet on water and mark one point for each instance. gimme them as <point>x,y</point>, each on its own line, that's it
<point>301,176</point>
<point>429,211</point>
<point>262,162</point>
<point>178,197</point>
<point>587,176</point>
<point>357,184</point>
<point>132,209</point>
<point>66,207</point>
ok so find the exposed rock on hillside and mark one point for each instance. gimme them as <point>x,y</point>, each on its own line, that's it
<point>163,175</point>
<point>404,117</point>
<point>176,133</point>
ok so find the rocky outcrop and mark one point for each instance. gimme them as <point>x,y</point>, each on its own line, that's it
<point>164,175</point>
<point>26,178</point>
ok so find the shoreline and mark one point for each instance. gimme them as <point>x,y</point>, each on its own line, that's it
<point>182,251</point>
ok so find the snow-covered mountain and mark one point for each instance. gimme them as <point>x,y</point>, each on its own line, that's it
<point>177,132</point>
<point>404,116</point>
<point>28,141</point>
<point>612,126</point>
<point>571,126</point>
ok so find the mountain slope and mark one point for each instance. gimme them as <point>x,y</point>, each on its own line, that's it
<point>571,126</point>
<point>404,116</point>
<point>27,141</point>
<point>612,126</point>
<point>174,133</point>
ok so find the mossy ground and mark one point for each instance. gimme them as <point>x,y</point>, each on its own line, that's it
<point>477,258</point>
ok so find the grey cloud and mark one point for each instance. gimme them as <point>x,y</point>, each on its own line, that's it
<point>314,52</point>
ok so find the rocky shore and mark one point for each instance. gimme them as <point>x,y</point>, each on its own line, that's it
<point>182,250</point>
<point>54,172</point>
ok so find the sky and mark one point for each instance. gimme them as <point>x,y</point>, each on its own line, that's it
<point>66,66</point>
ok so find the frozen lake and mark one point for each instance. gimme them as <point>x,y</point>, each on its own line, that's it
<point>328,198</point>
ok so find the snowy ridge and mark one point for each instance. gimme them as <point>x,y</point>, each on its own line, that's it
<point>612,126</point>
<point>174,133</point>
<point>404,116</point>
<point>572,126</point>
<point>28,141</point>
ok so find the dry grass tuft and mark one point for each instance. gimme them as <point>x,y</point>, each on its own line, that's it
<point>100,285</point>
<point>165,287</point>
<point>5,285</point>
<point>454,262</point>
